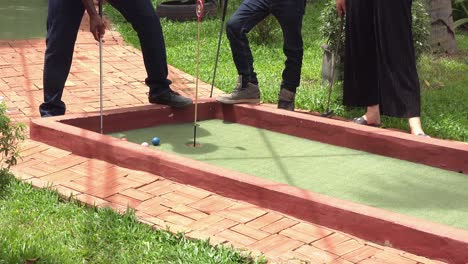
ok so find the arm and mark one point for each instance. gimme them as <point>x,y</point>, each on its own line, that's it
<point>96,25</point>
<point>341,7</point>
<point>89,6</point>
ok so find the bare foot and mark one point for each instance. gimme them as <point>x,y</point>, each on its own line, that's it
<point>372,116</point>
<point>415,126</point>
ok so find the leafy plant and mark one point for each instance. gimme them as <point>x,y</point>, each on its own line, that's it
<point>421,27</point>
<point>266,32</point>
<point>11,134</point>
<point>332,27</point>
<point>331,23</point>
<point>460,13</point>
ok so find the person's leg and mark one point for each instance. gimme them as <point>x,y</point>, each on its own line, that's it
<point>141,15</point>
<point>415,126</point>
<point>398,75</point>
<point>145,21</point>
<point>361,87</point>
<point>63,22</point>
<point>289,14</point>
<point>371,117</point>
<point>248,15</point>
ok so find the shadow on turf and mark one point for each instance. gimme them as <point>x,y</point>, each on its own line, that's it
<point>185,146</point>
<point>447,195</point>
<point>278,161</point>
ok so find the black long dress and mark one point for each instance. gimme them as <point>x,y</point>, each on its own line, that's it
<point>380,64</point>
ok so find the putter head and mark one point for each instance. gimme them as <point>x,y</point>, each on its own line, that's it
<point>328,113</point>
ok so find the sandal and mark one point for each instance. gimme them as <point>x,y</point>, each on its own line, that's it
<point>423,135</point>
<point>362,121</point>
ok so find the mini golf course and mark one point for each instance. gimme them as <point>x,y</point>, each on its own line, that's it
<point>385,186</point>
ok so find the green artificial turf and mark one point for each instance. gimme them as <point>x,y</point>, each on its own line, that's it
<point>400,186</point>
<point>23,19</point>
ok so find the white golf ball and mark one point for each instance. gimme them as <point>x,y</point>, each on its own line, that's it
<point>145,144</point>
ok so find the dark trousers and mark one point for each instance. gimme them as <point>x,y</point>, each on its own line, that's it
<point>289,14</point>
<point>380,64</point>
<point>63,22</point>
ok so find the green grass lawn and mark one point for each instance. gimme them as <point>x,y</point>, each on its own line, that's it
<point>37,225</point>
<point>444,79</point>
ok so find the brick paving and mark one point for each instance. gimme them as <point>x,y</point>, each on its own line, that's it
<point>157,201</point>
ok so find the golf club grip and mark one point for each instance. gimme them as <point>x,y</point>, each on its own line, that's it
<point>224,10</point>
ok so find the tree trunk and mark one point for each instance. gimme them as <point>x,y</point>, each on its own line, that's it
<point>442,37</point>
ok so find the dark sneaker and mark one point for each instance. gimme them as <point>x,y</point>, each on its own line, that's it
<point>170,98</point>
<point>249,94</point>
<point>286,100</point>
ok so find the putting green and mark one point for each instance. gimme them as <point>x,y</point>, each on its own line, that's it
<point>413,189</point>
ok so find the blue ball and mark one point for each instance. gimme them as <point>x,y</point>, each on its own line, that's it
<point>156,141</point>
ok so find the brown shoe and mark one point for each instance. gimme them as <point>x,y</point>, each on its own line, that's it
<point>248,95</point>
<point>286,100</point>
<point>171,99</point>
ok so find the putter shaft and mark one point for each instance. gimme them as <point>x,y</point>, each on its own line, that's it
<point>328,112</point>
<point>219,46</point>
<point>196,87</point>
<point>100,77</point>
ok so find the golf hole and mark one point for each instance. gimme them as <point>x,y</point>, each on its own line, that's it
<point>190,145</point>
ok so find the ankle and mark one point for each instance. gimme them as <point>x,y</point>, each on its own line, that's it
<point>286,95</point>
<point>372,114</point>
<point>288,88</point>
<point>415,125</point>
<point>246,79</point>
<point>417,130</point>
<point>372,118</point>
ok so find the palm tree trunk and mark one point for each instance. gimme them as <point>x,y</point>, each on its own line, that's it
<point>442,37</point>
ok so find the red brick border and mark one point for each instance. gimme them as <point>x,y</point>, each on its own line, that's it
<point>407,233</point>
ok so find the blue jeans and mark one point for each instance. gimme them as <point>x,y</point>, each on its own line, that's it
<point>289,14</point>
<point>63,22</point>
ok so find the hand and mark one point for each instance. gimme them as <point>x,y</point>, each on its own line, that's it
<point>97,27</point>
<point>341,7</point>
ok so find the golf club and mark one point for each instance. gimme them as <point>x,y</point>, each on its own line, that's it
<point>199,10</point>
<point>219,45</point>
<point>328,112</point>
<point>100,74</point>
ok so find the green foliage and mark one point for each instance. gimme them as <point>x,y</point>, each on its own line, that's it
<point>421,27</point>
<point>266,32</point>
<point>330,27</point>
<point>11,135</point>
<point>460,13</point>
